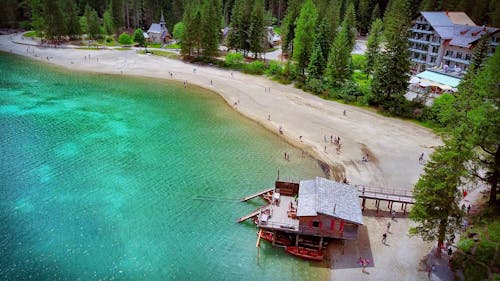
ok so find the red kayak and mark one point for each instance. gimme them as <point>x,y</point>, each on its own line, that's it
<point>305,253</point>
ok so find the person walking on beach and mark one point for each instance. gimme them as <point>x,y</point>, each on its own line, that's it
<point>393,215</point>
<point>388,226</point>
<point>421,158</point>
<point>384,238</point>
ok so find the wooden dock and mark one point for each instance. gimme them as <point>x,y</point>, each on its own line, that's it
<point>257,194</point>
<point>252,214</point>
<point>386,194</point>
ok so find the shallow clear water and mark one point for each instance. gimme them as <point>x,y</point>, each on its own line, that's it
<point>106,177</point>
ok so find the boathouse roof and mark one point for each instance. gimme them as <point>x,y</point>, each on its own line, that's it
<point>331,198</point>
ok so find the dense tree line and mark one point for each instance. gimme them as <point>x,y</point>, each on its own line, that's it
<point>471,151</point>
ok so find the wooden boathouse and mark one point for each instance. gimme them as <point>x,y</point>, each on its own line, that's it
<point>317,207</point>
<point>308,213</point>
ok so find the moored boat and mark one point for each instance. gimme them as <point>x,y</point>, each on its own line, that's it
<point>305,253</point>
<point>280,240</point>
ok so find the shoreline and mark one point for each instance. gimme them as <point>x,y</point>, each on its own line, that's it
<point>393,145</point>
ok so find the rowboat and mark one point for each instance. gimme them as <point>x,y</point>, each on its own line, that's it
<point>305,253</point>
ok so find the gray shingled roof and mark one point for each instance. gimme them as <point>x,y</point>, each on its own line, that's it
<point>322,196</point>
<point>461,35</point>
<point>464,35</point>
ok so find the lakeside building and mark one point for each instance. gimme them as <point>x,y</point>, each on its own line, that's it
<point>158,32</point>
<point>444,42</point>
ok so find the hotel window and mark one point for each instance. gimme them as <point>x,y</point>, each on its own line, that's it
<point>467,56</point>
<point>459,55</point>
<point>449,53</point>
<point>315,223</point>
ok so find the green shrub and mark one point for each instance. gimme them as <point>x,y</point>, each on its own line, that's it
<point>494,231</point>
<point>475,271</point>
<point>179,31</point>
<point>496,277</point>
<point>465,244</point>
<point>125,39</point>
<point>315,85</point>
<point>274,68</point>
<point>30,34</point>
<point>256,67</point>
<point>290,72</point>
<point>139,37</point>
<point>485,251</point>
<point>234,60</point>
<point>358,61</point>
<point>350,92</point>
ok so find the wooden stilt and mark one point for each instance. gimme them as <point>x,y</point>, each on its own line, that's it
<point>364,203</point>
<point>321,243</point>
<point>377,202</point>
<point>258,239</point>
<point>296,240</point>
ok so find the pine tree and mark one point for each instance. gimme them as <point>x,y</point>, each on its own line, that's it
<point>192,37</point>
<point>480,53</point>
<point>94,27</point>
<point>257,28</point>
<point>53,19</point>
<point>364,16</point>
<point>107,21</point>
<point>288,26</point>
<point>306,23</point>
<point>117,12</point>
<point>211,16</point>
<point>71,20</point>
<point>333,21</point>
<point>373,45</point>
<point>37,19</point>
<point>376,13</point>
<point>338,69</point>
<point>317,62</point>
<point>234,37</point>
<point>350,22</point>
<point>390,78</point>
<point>324,38</point>
<point>436,210</point>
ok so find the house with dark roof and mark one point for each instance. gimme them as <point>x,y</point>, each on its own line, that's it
<point>444,41</point>
<point>158,32</point>
<point>318,207</point>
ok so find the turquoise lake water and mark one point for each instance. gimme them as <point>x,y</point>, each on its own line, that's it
<point>106,177</point>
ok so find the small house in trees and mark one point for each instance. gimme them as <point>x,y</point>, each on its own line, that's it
<point>273,38</point>
<point>158,32</point>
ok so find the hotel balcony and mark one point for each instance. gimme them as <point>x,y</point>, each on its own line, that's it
<point>421,41</point>
<point>416,30</point>
<point>418,60</point>
<point>456,60</point>
<point>418,51</point>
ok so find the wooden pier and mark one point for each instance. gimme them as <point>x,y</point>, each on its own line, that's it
<point>389,195</point>
<point>252,214</point>
<point>257,194</point>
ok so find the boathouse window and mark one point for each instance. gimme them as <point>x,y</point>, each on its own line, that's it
<point>315,223</point>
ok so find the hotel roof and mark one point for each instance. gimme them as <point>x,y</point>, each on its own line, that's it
<point>456,27</point>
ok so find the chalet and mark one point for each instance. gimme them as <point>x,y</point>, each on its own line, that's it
<point>319,207</point>
<point>158,32</point>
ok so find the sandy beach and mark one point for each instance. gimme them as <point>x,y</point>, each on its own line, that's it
<point>308,122</point>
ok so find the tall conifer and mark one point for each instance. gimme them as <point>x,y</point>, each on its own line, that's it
<point>306,23</point>
<point>391,75</point>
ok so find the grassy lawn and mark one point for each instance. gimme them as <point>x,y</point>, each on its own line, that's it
<point>162,54</point>
<point>277,29</point>
<point>30,34</point>
<point>173,46</point>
